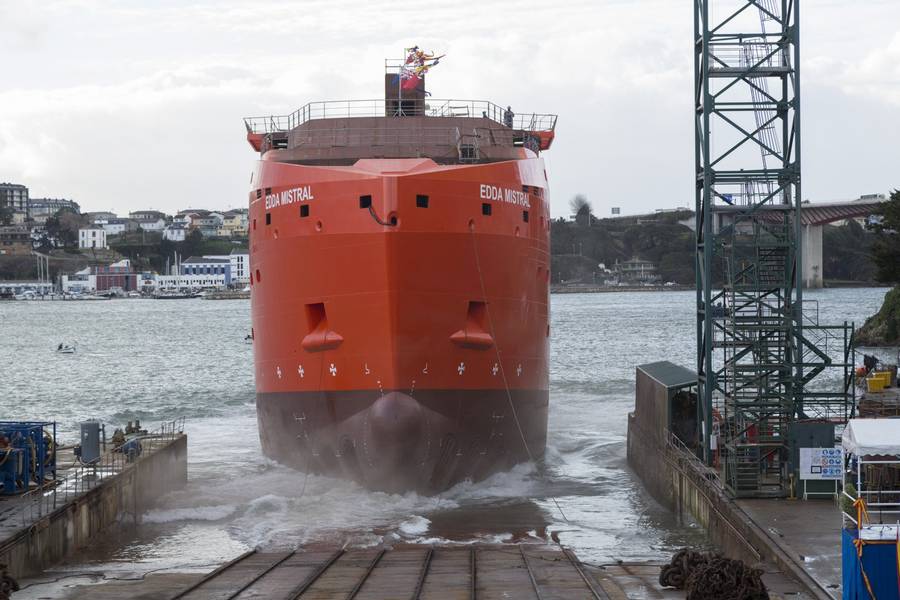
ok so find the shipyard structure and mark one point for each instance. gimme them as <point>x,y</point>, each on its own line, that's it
<point>768,421</point>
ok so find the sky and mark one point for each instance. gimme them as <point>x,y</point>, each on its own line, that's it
<point>127,105</point>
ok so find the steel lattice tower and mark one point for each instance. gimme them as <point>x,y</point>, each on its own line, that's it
<point>747,100</point>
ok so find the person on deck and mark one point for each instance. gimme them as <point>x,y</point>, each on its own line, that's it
<point>508,117</point>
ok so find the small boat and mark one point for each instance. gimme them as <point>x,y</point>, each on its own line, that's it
<point>248,339</point>
<point>65,349</point>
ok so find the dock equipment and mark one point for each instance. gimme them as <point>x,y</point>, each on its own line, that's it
<point>407,571</point>
<point>758,351</point>
<point>871,510</point>
<point>27,454</point>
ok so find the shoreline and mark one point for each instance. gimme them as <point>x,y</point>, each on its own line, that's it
<point>557,288</point>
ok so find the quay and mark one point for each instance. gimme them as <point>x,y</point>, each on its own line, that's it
<point>45,525</point>
<point>799,535</point>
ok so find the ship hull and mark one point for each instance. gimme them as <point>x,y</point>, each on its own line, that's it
<point>396,442</point>
<point>400,319</point>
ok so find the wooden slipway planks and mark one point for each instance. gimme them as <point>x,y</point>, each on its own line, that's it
<point>414,572</point>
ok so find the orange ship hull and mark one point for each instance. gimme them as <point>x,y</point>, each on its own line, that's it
<point>400,318</point>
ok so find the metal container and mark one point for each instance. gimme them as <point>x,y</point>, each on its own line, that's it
<point>90,441</point>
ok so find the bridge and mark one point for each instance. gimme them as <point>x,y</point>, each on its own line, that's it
<point>813,217</point>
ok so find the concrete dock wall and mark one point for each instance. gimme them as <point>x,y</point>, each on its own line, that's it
<point>681,482</point>
<point>126,495</point>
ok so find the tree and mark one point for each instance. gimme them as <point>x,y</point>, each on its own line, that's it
<point>6,215</point>
<point>64,226</point>
<point>582,209</point>
<point>886,249</point>
<point>192,243</point>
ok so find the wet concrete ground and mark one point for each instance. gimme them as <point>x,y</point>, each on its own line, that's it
<point>809,531</point>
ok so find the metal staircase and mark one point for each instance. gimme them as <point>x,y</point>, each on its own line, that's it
<point>759,360</point>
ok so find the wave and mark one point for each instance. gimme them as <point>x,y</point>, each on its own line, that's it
<point>197,513</point>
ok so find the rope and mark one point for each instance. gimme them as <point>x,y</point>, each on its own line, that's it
<point>861,512</point>
<point>708,576</point>
<point>512,407</point>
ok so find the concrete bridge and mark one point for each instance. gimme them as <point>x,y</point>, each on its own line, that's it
<point>813,218</point>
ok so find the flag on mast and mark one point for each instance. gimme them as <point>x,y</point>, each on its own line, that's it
<point>415,65</point>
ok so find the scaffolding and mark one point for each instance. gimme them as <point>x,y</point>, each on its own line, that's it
<point>757,353</point>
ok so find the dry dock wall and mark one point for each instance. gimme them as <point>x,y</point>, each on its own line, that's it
<point>680,481</point>
<point>56,535</point>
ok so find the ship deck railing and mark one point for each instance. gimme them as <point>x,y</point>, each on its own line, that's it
<point>379,136</point>
<point>343,109</point>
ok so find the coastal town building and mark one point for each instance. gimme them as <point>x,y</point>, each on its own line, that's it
<point>636,271</point>
<point>79,282</point>
<point>26,288</point>
<point>239,259</point>
<point>184,219</point>
<point>96,217</point>
<point>151,223</point>
<point>118,226</point>
<point>201,265</point>
<point>172,283</point>
<point>240,266</point>
<point>15,239</point>
<point>176,232</point>
<point>42,209</point>
<point>118,275</point>
<point>92,237</point>
<point>139,215</point>
<point>14,196</point>
<point>234,223</point>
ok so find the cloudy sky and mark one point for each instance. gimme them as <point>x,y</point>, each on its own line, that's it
<point>136,104</point>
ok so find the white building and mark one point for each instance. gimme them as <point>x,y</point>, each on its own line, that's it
<point>240,266</point>
<point>175,232</point>
<point>80,282</point>
<point>239,260</point>
<point>167,283</point>
<point>92,237</point>
<point>117,226</point>
<point>151,224</point>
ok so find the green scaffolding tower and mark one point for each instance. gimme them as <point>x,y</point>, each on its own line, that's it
<point>754,361</point>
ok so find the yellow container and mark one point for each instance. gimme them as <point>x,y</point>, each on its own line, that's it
<point>874,383</point>
<point>885,376</point>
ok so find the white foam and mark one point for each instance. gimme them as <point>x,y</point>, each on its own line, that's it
<point>414,526</point>
<point>197,513</point>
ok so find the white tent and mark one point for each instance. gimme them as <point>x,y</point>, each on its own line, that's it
<point>868,437</point>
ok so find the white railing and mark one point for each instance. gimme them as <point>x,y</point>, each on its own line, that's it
<point>41,501</point>
<point>342,109</point>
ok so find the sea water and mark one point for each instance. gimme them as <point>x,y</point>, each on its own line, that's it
<point>158,360</point>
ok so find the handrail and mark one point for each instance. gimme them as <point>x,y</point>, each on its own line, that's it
<point>673,442</point>
<point>44,500</point>
<point>342,109</point>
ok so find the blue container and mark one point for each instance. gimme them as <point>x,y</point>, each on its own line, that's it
<point>878,560</point>
<point>11,471</point>
<point>36,441</point>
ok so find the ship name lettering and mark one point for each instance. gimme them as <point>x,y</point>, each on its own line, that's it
<point>297,194</point>
<point>492,192</point>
